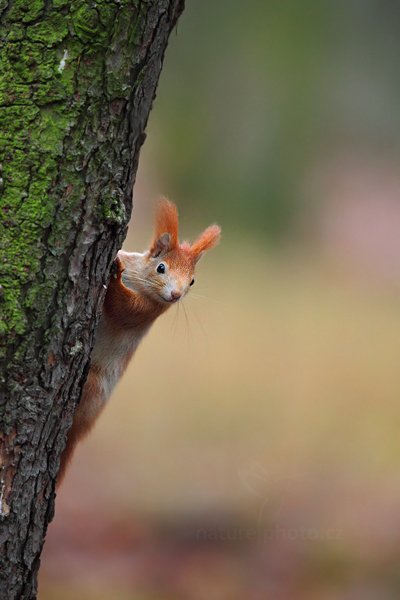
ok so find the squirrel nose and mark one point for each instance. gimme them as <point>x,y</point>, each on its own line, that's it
<point>175,295</point>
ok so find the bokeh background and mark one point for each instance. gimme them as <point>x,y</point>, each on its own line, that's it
<point>252,450</point>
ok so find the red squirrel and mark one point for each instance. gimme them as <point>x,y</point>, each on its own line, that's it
<point>143,287</point>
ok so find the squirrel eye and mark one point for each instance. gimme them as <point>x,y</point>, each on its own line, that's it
<point>192,282</point>
<point>161,268</point>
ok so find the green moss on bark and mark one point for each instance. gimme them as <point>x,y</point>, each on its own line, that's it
<point>70,74</point>
<point>25,12</point>
<point>49,32</point>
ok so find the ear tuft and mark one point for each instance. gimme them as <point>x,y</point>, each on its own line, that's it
<point>166,229</point>
<point>206,240</point>
<point>167,220</point>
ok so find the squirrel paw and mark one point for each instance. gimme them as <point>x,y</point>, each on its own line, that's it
<point>117,269</point>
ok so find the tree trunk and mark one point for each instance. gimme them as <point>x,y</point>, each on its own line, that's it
<point>77,82</point>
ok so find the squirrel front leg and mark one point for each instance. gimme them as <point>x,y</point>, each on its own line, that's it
<point>123,307</point>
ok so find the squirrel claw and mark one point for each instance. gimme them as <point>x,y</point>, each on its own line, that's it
<point>117,268</point>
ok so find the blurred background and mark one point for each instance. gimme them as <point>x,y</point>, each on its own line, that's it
<point>252,450</point>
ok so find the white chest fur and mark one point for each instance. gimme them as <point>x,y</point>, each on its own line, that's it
<point>112,352</point>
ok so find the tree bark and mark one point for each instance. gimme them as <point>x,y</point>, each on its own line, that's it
<point>77,81</point>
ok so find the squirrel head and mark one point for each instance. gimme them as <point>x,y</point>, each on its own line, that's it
<point>166,271</point>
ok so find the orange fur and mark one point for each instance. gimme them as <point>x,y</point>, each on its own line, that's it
<point>136,295</point>
<point>166,222</point>
<point>125,309</point>
<point>207,240</point>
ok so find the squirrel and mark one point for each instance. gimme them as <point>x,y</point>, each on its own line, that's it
<point>143,286</point>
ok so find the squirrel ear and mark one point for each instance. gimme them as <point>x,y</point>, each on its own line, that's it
<point>161,245</point>
<point>206,240</point>
<point>166,223</point>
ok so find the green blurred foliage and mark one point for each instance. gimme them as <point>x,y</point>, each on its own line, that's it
<point>252,95</point>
